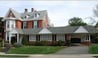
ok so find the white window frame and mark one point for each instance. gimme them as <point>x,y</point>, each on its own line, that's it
<point>24,25</point>
<point>35,24</point>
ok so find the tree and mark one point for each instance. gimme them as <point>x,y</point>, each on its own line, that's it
<point>75,21</point>
<point>96,11</point>
<point>96,24</point>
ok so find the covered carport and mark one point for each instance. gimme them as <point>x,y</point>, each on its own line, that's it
<point>83,35</point>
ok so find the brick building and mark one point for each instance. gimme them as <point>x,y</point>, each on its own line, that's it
<point>35,26</point>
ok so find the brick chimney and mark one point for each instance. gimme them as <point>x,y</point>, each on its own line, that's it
<point>26,10</point>
<point>32,9</point>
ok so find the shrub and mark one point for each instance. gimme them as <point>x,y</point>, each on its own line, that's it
<point>38,43</point>
<point>17,45</point>
<point>68,42</point>
<point>61,43</point>
<point>7,45</point>
<point>25,41</point>
<point>0,44</point>
<point>54,43</point>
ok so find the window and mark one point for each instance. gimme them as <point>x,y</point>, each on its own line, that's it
<point>24,24</point>
<point>32,37</point>
<point>35,24</point>
<point>26,17</point>
<point>37,15</point>
<point>8,24</point>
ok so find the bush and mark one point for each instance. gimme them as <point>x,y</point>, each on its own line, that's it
<point>7,45</point>
<point>17,45</point>
<point>25,41</point>
<point>38,43</point>
<point>68,42</point>
<point>0,44</point>
<point>61,43</point>
<point>93,49</point>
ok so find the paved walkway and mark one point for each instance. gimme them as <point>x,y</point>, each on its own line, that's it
<point>74,50</point>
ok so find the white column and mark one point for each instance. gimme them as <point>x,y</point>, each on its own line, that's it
<point>6,36</point>
<point>17,38</point>
<point>9,38</point>
<point>20,39</point>
<point>89,37</point>
<point>81,39</point>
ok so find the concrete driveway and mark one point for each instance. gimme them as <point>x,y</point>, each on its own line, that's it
<point>74,50</point>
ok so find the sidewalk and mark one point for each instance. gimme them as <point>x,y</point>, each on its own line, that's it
<point>54,56</point>
<point>64,56</point>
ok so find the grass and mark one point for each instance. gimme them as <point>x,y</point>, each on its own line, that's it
<point>93,49</point>
<point>95,56</point>
<point>35,50</point>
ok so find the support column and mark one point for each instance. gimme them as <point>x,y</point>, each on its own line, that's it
<point>89,38</point>
<point>9,38</point>
<point>20,41</point>
<point>17,38</point>
<point>6,36</point>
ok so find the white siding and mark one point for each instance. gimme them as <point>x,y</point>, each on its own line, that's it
<point>46,37</point>
<point>32,37</point>
<point>60,37</point>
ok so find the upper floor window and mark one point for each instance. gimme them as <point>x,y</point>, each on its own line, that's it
<point>35,24</point>
<point>36,15</point>
<point>8,24</point>
<point>24,25</point>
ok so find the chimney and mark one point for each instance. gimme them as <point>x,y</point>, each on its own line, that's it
<point>26,10</point>
<point>32,9</point>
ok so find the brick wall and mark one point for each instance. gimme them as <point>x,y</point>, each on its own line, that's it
<point>29,24</point>
<point>18,24</point>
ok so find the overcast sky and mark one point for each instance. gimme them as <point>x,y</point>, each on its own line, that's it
<point>59,12</point>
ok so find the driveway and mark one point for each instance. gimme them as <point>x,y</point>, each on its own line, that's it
<point>74,50</point>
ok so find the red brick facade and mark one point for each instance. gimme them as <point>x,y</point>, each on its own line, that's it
<point>40,23</point>
<point>18,24</point>
<point>29,24</point>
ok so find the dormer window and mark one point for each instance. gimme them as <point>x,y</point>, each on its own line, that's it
<point>26,17</point>
<point>37,15</point>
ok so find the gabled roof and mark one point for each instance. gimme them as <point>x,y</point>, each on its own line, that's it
<point>45,31</point>
<point>16,14</point>
<point>91,29</point>
<point>31,15</point>
<point>81,29</point>
<point>58,30</point>
<point>20,16</point>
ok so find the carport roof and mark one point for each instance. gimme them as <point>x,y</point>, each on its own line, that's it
<point>58,30</point>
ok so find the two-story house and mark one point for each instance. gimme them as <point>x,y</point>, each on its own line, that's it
<point>35,26</point>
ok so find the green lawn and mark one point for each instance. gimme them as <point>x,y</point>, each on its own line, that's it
<point>93,49</point>
<point>35,50</point>
<point>95,56</point>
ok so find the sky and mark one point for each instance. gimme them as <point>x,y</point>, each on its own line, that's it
<point>59,12</point>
